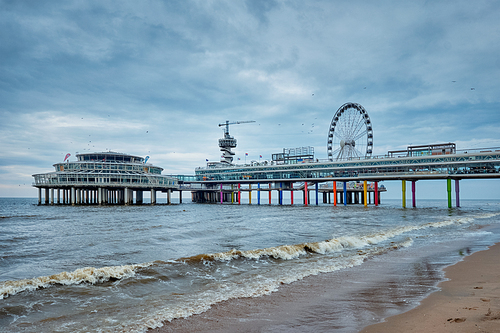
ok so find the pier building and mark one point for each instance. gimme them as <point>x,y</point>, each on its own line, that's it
<point>103,178</point>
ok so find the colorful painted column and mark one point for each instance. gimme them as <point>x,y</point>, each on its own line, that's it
<point>448,187</point>
<point>306,193</point>
<point>345,193</point>
<point>413,190</point>
<point>232,193</point>
<point>376,194</point>
<point>334,193</point>
<point>316,190</point>
<point>258,193</point>
<point>403,189</point>
<point>269,193</point>
<point>280,194</point>
<point>365,192</point>
<point>457,192</point>
<point>249,194</point>
<point>239,194</point>
<point>291,193</point>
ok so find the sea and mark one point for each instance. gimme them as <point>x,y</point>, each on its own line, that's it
<point>129,268</point>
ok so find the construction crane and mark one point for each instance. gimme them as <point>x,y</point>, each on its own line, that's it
<point>228,142</point>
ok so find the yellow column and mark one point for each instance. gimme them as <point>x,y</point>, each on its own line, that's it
<point>249,194</point>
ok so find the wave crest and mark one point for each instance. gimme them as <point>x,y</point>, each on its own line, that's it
<point>82,275</point>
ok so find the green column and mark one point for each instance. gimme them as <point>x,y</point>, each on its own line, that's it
<point>403,188</point>
<point>448,181</point>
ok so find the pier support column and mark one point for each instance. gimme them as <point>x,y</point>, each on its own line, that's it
<point>58,196</point>
<point>127,196</point>
<point>180,197</point>
<point>306,194</point>
<point>239,194</point>
<point>448,187</point>
<point>169,192</point>
<point>52,196</point>
<point>269,193</point>
<point>138,197</point>
<point>232,193</point>
<point>46,196</point>
<point>317,191</point>
<point>365,192</point>
<point>72,195</point>
<point>99,196</point>
<point>78,196</point>
<point>457,192</point>
<point>345,193</point>
<point>291,194</point>
<point>334,185</point>
<point>376,194</point>
<point>249,194</point>
<point>221,194</point>
<point>280,194</point>
<point>153,197</point>
<point>39,195</point>
<point>413,197</point>
<point>258,193</point>
<point>403,189</point>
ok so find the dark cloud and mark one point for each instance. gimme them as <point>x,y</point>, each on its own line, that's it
<point>177,69</point>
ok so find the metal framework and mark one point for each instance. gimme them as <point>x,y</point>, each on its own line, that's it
<point>460,166</point>
<point>350,134</point>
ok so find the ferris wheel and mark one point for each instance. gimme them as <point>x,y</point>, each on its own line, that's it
<point>350,135</point>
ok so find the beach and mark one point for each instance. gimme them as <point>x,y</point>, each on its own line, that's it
<point>468,301</point>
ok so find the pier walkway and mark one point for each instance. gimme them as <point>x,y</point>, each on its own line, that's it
<point>466,164</point>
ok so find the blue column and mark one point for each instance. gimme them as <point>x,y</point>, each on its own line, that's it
<point>316,190</point>
<point>258,193</point>
<point>281,194</point>
<point>345,193</point>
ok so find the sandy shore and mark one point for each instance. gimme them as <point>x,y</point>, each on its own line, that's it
<point>346,301</point>
<point>468,302</point>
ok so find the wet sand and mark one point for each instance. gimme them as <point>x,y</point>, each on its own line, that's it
<point>468,302</point>
<point>348,300</point>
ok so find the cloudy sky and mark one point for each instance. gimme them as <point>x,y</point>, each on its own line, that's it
<point>157,77</point>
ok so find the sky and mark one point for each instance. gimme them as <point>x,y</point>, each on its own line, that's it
<point>155,78</point>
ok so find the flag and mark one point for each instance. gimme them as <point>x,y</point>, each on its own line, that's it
<point>67,155</point>
<point>260,156</point>
<point>246,154</point>
<point>239,158</point>
<point>146,159</point>
<point>207,159</point>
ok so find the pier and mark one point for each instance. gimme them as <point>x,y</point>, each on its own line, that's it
<point>103,179</point>
<point>405,166</point>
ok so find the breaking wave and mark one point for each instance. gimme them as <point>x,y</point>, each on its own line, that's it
<point>82,275</point>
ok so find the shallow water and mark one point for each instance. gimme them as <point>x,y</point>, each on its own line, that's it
<point>90,268</point>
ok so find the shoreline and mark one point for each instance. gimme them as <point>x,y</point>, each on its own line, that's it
<point>361,297</point>
<point>468,301</point>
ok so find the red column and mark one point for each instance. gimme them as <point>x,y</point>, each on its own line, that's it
<point>335,193</point>
<point>239,194</point>
<point>376,193</point>
<point>291,192</point>
<point>269,193</point>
